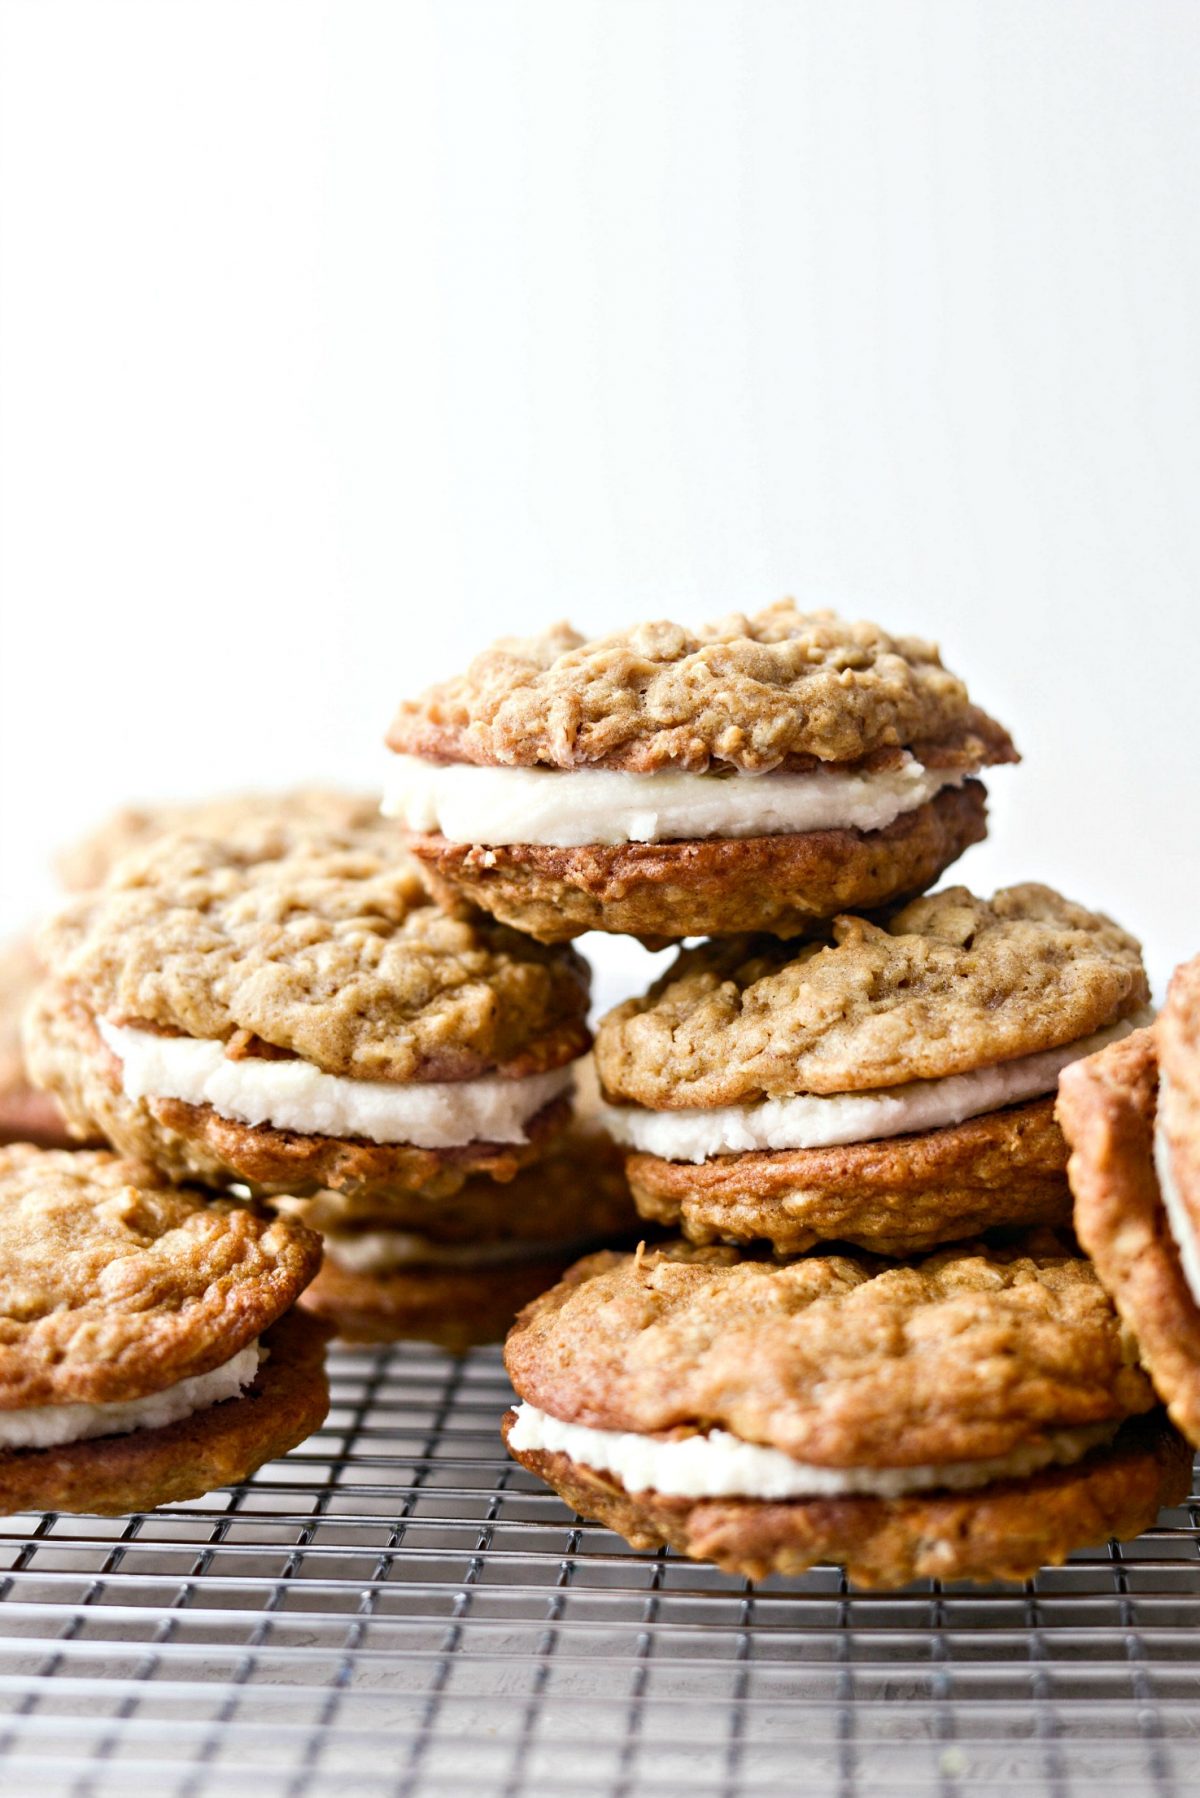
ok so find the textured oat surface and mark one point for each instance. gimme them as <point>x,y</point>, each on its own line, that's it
<point>1007,1531</point>
<point>662,892</point>
<point>840,1360</point>
<point>896,1196</point>
<point>88,862</point>
<point>114,1284</point>
<point>947,984</point>
<point>1106,1105</point>
<point>317,941</point>
<point>1178,1041</point>
<point>750,693</point>
<point>218,1446</point>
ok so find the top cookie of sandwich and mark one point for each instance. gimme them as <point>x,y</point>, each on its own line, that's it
<point>88,862</point>
<point>945,985</point>
<point>838,1360</point>
<point>114,1284</point>
<point>781,688</point>
<point>310,940</point>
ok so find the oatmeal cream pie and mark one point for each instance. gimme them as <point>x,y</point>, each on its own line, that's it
<point>754,775</point>
<point>975,1415</point>
<point>283,1005</point>
<point>150,1349</point>
<point>891,1087</point>
<point>457,1270</point>
<point>1132,1118</point>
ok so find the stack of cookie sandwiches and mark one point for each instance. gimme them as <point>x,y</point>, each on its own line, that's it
<point>279,1006</point>
<point>874,1339</point>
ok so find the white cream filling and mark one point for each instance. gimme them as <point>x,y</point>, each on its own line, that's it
<point>1177,1213</point>
<point>50,1426</point>
<point>390,1251</point>
<point>719,1465</point>
<point>567,807</point>
<point>294,1095</point>
<point>816,1120</point>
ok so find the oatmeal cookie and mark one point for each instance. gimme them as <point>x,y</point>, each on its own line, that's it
<point>756,774</point>
<point>1107,1106</point>
<point>948,984</point>
<point>222,1445</point>
<point>967,1416</point>
<point>287,1007</point>
<point>747,692</point>
<point>134,1321</point>
<point>838,1360</point>
<point>114,1283</point>
<point>890,1086</point>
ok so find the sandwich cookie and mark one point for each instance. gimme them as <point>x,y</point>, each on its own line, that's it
<point>149,1348</point>
<point>285,1006</point>
<point>457,1271</point>
<point>757,774</point>
<point>975,1415</point>
<point>891,1087</point>
<point>1132,1118</point>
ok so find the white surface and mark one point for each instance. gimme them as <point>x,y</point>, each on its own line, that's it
<point>336,339</point>
<point>50,1426</point>
<point>720,1465</point>
<point>294,1095</point>
<point>603,805</point>
<point>816,1121</point>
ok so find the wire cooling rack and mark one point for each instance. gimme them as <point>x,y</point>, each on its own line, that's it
<point>398,1608</point>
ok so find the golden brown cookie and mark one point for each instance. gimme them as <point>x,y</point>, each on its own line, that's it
<point>960,1416</point>
<point>1107,1106</point>
<point>1005,1532</point>
<point>757,774</point>
<point>891,1086</point>
<point>285,1006</point>
<point>223,1445</point>
<point>134,1321</point>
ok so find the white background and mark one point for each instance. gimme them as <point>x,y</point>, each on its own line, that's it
<point>336,339</point>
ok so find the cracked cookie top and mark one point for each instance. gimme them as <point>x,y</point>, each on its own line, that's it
<point>783,688</point>
<point>946,984</point>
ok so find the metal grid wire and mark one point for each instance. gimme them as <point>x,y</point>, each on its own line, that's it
<point>398,1608</point>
